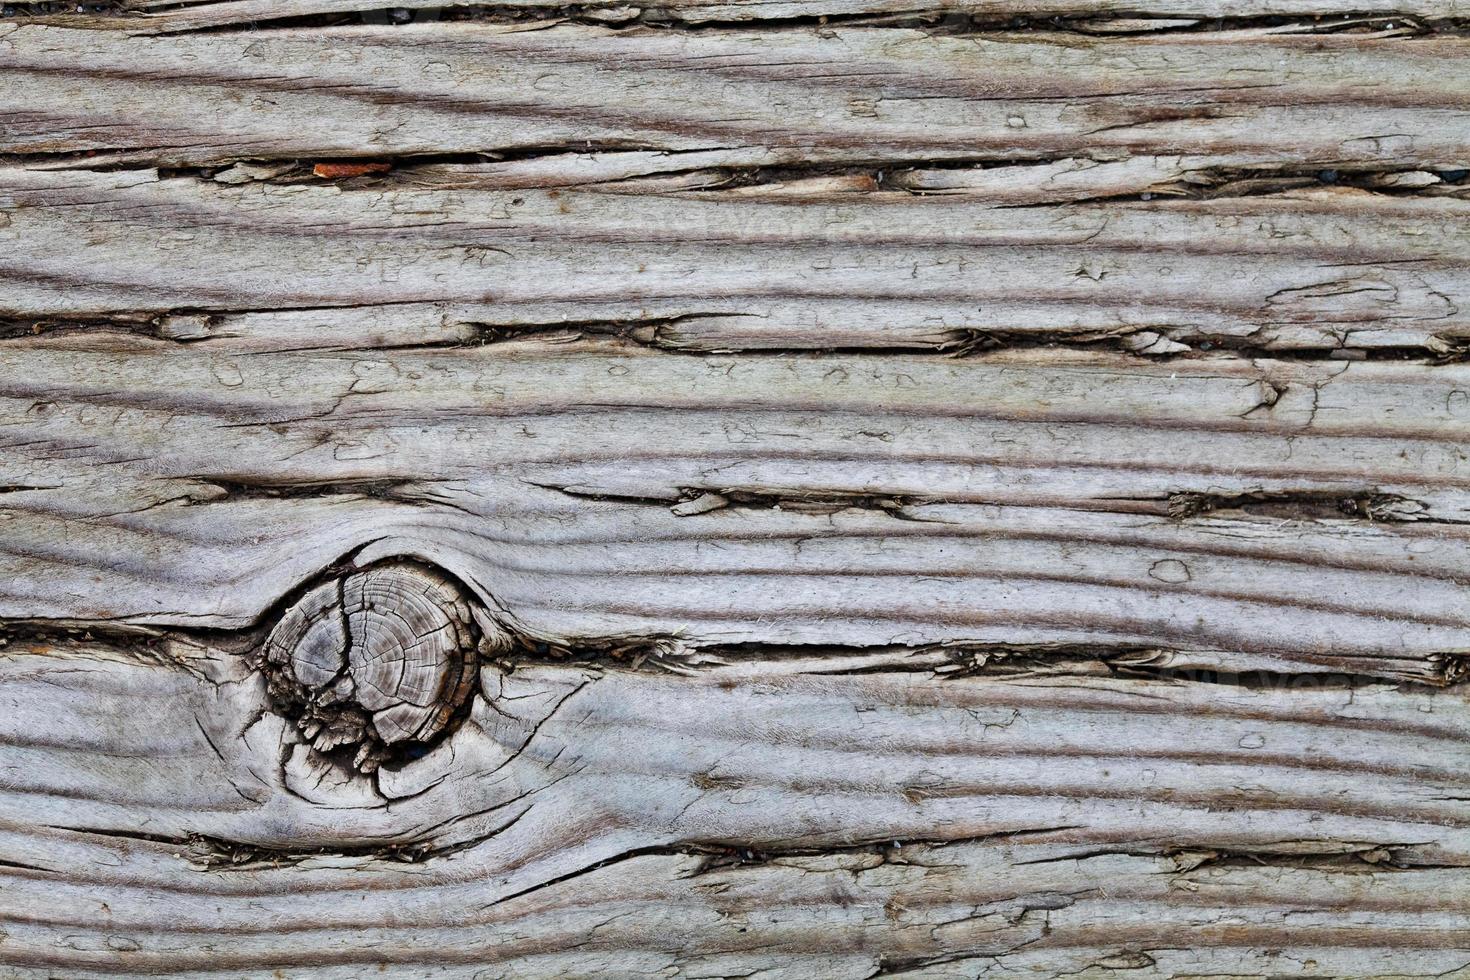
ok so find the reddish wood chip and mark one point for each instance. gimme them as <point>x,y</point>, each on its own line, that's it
<point>334,171</point>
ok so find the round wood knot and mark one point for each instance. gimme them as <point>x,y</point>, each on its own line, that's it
<point>381,659</point>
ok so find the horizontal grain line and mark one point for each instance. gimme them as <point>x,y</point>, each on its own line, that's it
<point>1267,551</point>
<point>1138,631</point>
<point>899,79</point>
<point>818,942</point>
<point>1159,548</point>
<point>981,749</point>
<point>911,530</point>
<point>567,235</point>
<point>1136,894</point>
<point>629,570</point>
<point>228,414</point>
<point>967,693</point>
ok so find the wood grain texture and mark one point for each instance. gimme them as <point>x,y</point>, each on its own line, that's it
<point>1326,270</point>
<point>865,95</point>
<point>886,498</point>
<point>193,488</point>
<point>581,822</point>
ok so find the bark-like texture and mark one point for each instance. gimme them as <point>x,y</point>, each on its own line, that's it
<point>499,498</point>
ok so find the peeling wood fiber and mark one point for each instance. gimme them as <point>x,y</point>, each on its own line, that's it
<point>915,495</point>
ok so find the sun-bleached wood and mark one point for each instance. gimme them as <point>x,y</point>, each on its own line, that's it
<point>775,97</point>
<point>576,822</point>
<point>1030,497</point>
<point>839,500</point>
<point>1334,268</point>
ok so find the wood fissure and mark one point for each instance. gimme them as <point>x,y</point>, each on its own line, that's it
<point>1106,177</point>
<point>665,334</point>
<point>1083,17</point>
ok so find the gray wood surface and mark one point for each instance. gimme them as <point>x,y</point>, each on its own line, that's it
<point>756,815</point>
<point>901,496</point>
<point>870,95</point>
<point>1316,269</point>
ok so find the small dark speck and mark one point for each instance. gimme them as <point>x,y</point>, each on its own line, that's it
<point>1327,176</point>
<point>1453,176</point>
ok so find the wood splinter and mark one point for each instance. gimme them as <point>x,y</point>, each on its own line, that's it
<point>382,659</point>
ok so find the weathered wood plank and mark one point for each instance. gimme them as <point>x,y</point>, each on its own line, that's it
<point>864,95</point>
<point>561,829</point>
<point>1331,269</point>
<point>912,911</point>
<point>192,488</point>
<point>488,498</point>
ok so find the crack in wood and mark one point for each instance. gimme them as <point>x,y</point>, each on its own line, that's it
<point>215,854</point>
<point>663,334</point>
<point>1069,18</point>
<point>187,650</point>
<point>1366,504</point>
<point>1108,177</point>
<point>1301,505</point>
